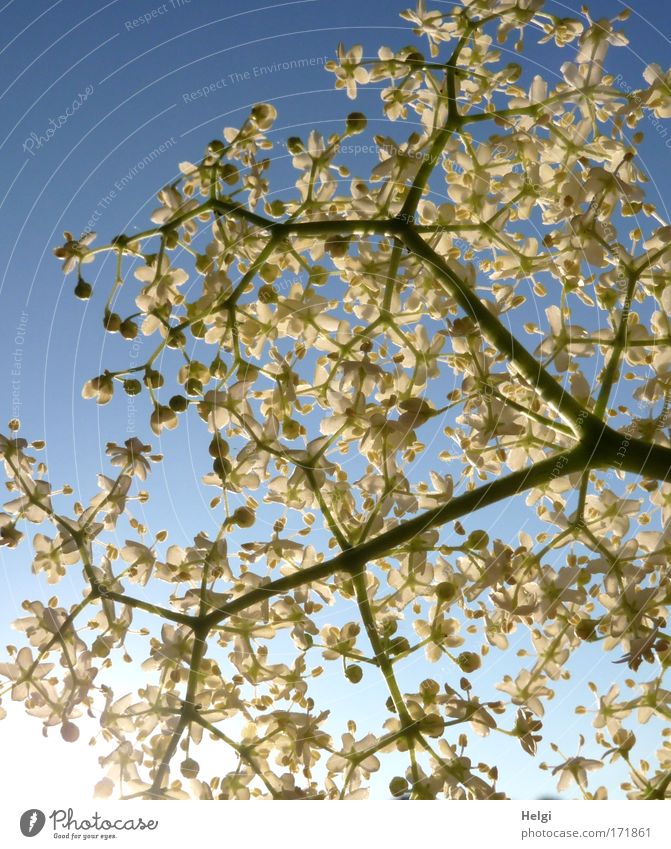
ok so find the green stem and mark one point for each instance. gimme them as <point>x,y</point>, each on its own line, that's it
<point>620,342</point>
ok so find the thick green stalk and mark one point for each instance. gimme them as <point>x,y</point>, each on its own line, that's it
<point>355,558</point>
<point>501,338</point>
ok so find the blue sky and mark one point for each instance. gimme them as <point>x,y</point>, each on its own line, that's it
<point>135,69</point>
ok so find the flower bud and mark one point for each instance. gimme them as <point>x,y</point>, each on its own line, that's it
<point>162,417</point>
<point>217,367</point>
<point>193,386</point>
<point>101,388</point>
<point>337,246</point>
<point>398,645</point>
<point>263,115</point>
<point>247,372</point>
<point>267,295</point>
<point>586,630</point>
<point>221,467</point>
<point>128,329</point>
<point>432,725</point>
<point>446,591</point>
